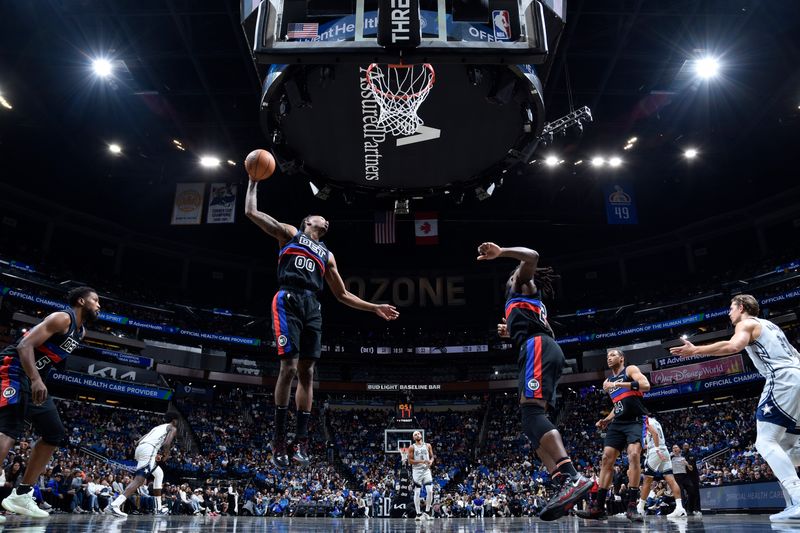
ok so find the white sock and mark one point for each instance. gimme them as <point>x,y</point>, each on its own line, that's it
<point>119,501</point>
<point>678,503</point>
<point>416,499</point>
<point>158,503</point>
<point>428,498</point>
<point>786,496</point>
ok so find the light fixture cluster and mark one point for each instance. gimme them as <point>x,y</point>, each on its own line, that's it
<point>206,160</point>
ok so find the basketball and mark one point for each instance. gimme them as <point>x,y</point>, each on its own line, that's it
<point>259,164</point>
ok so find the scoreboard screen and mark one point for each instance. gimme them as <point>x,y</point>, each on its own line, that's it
<point>404,412</point>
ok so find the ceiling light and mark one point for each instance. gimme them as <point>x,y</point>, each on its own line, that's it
<point>633,140</point>
<point>579,162</point>
<point>707,67</point>
<point>627,146</point>
<point>690,153</point>
<point>209,161</point>
<point>551,161</point>
<point>231,163</point>
<point>615,162</point>
<point>5,103</point>
<point>115,149</point>
<point>179,147</point>
<point>102,67</point>
<point>598,161</point>
<point>176,142</point>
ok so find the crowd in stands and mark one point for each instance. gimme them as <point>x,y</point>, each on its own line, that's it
<point>226,470</point>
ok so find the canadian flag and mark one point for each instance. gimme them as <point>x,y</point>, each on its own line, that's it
<point>426,227</point>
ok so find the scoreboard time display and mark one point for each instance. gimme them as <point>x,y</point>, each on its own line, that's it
<point>404,412</point>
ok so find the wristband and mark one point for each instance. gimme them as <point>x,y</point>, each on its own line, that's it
<point>634,385</point>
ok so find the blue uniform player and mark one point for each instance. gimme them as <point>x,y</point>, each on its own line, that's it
<point>304,262</point>
<point>625,429</point>
<point>541,362</point>
<point>23,394</point>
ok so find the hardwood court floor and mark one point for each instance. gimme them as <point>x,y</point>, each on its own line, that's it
<point>738,523</point>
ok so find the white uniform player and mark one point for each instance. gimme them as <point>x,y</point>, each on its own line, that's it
<point>778,409</point>
<point>657,464</point>
<point>147,449</point>
<point>420,457</point>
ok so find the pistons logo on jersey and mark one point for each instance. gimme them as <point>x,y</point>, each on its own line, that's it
<point>502,25</point>
<point>69,344</point>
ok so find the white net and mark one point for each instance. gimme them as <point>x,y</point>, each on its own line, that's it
<point>400,91</point>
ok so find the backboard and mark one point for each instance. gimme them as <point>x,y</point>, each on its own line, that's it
<point>483,116</point>
<point>456,31</point>
<point>396,440</point>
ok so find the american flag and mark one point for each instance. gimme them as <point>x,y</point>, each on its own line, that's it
<point>302,30</point>
<point>384,227</point>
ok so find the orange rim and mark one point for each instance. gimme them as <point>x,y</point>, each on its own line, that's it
<point>406,96</point>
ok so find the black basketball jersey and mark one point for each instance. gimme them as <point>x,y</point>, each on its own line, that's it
<point>628,404</point>
<point>53,351</point>
<point>302,263</point>
<point>526,317</point>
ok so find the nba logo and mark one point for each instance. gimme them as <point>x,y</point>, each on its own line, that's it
<point>502,25</point>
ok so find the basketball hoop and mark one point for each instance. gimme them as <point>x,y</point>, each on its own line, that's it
<point>400,91</point>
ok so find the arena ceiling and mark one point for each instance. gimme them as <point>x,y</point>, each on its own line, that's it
<point>182,71</point>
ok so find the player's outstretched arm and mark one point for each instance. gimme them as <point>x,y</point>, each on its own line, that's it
<point>741,338</point>
<point>334,279</point>
<point>528,258</point>
<point>282,232</point>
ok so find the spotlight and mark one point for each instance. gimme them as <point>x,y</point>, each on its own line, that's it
<point>176,142</point>
<point>102,67</point>
<point>5,103</point>
<point>232,163</point>
<point>579,162</point>
<point>484,193</point>
<point>633,140</point>
<point>551,161</point>
<point>614,162</point>
<point>598,161</point>
<point>322,193</point>
<point>179,147</point>
<point>690,153</point>
<point>627,146</point>
<point>707,67</point>
<point>209,161</point>
<point>115,149</point>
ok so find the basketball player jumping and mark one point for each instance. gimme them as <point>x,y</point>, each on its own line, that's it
<point>778,411</point>
<point>541,362</point>
<point>23,394</point>
<point>420,457</point>
<point>624,427</point>
<point>303,263</point>
<point>658,463</point>
<point>147,449</point>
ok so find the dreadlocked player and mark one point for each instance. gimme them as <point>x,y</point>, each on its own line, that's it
<point>541,362</point>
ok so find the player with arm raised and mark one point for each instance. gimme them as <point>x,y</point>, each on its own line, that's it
<point>304,264</point>
<point>541,363</point>
<point>778,411</point>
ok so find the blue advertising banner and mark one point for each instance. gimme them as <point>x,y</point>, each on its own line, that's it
<point>125,358</point>
<point>745,496</point>
<point>125,321</point>
<point>620,205</point>
<point>701,386</point>
<point>109,385</point>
